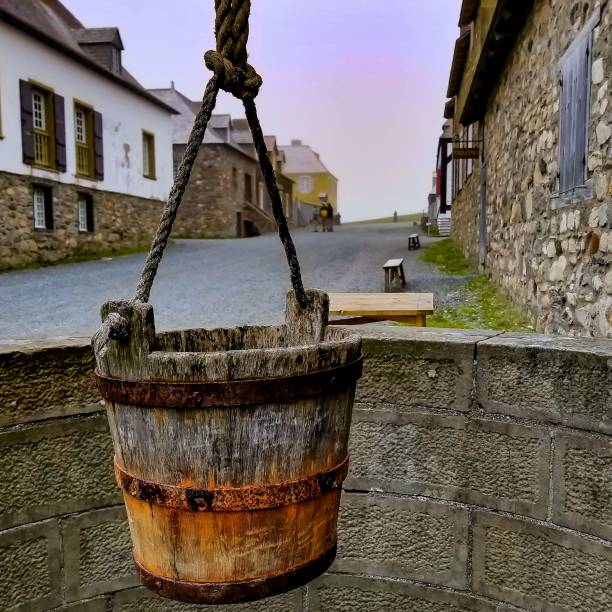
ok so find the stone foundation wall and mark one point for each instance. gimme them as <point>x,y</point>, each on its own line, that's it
<point>551,256</point>
<point>120,221</point>
<point>481,480</point>
<point>466,217</point>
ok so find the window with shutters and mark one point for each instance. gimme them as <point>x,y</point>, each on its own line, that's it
<point>574,112</point>
<point>85,212</point>
<point>42,200</point>
<point>148,155</point>
<point>84,140</point>
<point>43,124</point>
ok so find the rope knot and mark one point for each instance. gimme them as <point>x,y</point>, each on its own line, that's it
<point>240,83</point>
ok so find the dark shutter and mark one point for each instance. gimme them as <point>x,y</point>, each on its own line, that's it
<point>90,213</point>
<point>27,122</point>
<point>573,114</point>
<point>98,146</point>
<point>60,132</point>
<point>48,207</point>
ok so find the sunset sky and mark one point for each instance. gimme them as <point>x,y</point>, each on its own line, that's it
<point>362,81</point>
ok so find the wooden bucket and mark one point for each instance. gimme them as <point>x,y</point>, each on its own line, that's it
<point>230,449</point>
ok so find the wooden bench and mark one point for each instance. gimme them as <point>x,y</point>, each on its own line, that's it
<point>394,269</point>
<point>370,307</point>
<point>414,242</point>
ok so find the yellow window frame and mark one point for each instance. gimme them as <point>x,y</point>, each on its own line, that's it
<point>44,139</point>
<point>84,153</point>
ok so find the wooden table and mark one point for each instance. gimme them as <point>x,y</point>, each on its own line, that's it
<point>369,307</point>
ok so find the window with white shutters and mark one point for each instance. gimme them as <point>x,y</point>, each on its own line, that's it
<point>574,110</point>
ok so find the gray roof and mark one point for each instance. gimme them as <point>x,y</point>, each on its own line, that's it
<point>219,121</point>
<point>301,159</point>
<point>96,36</point>
<point>50,22</point>
<point>219,127</point>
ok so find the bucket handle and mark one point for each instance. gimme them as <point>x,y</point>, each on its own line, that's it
<point>233,74</point>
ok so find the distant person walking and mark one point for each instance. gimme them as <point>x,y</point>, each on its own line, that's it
<point>395,217</point>
<point>316,219</point>
<point>326,212</point>
<point>330,217</point>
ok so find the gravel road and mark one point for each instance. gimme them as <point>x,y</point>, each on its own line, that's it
<point>207,283</point>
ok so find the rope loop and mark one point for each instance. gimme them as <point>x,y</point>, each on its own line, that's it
<point>232,73</point>
<point>241,83</point>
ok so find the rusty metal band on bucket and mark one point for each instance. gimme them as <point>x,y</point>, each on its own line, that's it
<point>234,499</point>
<point>236,592</point>
<point>156,394</point>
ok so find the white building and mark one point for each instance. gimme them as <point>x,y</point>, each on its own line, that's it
<point>85,150</point>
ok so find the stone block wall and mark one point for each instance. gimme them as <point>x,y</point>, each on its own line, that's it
<point>216,195</point>
<point>552,256</point>
<point>480,480</point>
<point>465,223</point>
<point>120,221</point>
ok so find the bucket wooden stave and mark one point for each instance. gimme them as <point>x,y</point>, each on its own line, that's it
<point>231,448</point>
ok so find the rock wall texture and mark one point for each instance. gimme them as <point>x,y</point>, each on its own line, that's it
<point>466,215</point>
<point>120,221</point>
<point>481,480</point>
<point>550,255</point>
<point>217,202</point>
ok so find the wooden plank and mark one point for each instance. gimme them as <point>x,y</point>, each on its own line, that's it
<point>394,263</point>
<point>381,304</point>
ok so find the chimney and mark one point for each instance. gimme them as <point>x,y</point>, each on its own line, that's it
<point>172,85</point>
<point>296,143</point>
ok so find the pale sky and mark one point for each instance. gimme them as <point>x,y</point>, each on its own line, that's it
<point>361,81</point>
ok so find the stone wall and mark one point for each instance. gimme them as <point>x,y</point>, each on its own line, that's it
<point>481,480</point>
<point>216,195</point>
<point>466,216</point>
<point>120,221</point>
<point>549,255</point>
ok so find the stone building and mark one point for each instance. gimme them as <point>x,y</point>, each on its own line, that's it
<point>85,150</point>
<point>531,184</point>
<point>226,196</point>
<point>312,178</point>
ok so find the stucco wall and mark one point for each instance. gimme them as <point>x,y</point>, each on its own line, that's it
<point>125,115</point>
<point>552,257</point>
<point>322,183</point>
<point>480,481</point>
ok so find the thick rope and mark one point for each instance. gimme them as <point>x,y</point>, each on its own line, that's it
<point>147,276</point>
<point>233,74</point>
<point>277,205</point>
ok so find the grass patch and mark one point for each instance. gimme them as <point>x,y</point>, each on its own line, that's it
<point>400,218</point>
<point>483,305</point>
<point>448,258</point>
<point>484,308</point>
<point>143,248</point>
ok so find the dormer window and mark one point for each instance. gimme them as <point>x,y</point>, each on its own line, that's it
<point>103,45</point>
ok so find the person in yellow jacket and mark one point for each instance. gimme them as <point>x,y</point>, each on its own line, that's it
<point>326,212</point>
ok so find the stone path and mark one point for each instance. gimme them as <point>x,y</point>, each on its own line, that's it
<point>207,283</point>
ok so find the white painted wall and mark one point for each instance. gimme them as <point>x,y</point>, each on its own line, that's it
<point>124,114</point>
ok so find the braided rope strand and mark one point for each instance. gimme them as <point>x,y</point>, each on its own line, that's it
<point>233,74</point>
<point>223,26</point>
<point>147,276</point>
<point>277,205</point>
